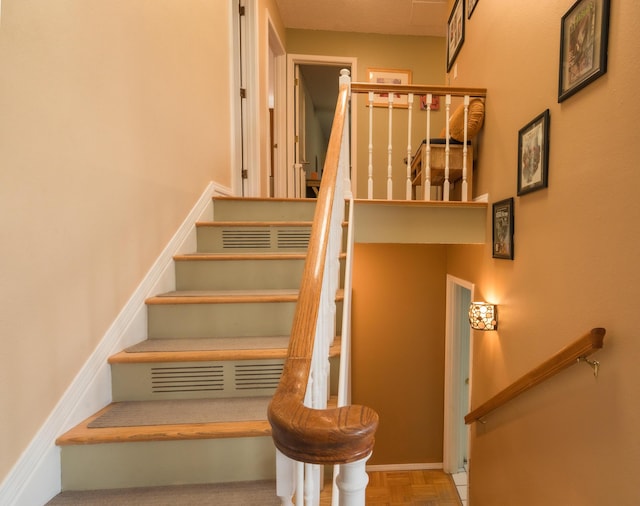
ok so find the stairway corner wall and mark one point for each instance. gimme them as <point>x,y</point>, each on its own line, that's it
<point>35,477</point>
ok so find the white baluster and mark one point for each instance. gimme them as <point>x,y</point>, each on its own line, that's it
<point>410,106</point>
<point>286,478</point>
<point>426,162</point>
<point>310,488</point>
<point>352,482</point>
<point>345,147</point>
<point>370,173</point>
<point>300,483</point>
<point>464,151</point>
<point>446,151</point>
<point>390,151</point>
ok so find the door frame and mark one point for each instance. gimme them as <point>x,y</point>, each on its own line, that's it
<point>452,384</point>
<point>287,169</point>
<point>278,72</point>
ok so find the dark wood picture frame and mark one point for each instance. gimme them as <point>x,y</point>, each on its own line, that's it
<point>533,154</point>
<point>471,5</point>
<point>584,35</point>
<point>503,229</point>
<point>455,32</point>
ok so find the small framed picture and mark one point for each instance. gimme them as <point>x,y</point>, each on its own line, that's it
<point>435,102</point>
<point>584,34</point>
<point>471,4</point>
<point>503,229</point>
<point>389,76</point>
<point>533,154</point>
<point>455,32</point>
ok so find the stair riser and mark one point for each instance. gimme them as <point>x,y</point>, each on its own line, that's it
<point>223,320</point>
<point>195,380</point>
<point>220,320</point>
<point>122,465</point>
<point>263,210</point>
<point>238,274</point>
<point>254,239</point>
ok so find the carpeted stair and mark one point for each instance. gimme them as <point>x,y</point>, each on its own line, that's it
<point>189,402</point>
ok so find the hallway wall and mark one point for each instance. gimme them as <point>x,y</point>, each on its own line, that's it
<point>115,118</point>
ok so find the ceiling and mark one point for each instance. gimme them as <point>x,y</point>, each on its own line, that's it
<point>392,17</point>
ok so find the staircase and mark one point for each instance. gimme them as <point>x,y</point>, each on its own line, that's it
<point>190,402</point>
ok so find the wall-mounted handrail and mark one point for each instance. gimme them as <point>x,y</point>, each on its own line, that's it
<point>571,354</point>
<point>342,435</point>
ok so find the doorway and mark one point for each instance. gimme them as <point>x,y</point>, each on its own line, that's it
<point>312,91</point>
<point>457,384</point>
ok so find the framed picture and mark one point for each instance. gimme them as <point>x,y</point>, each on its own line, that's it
<point>584,34</point>
<point>533,154</point>
<point>435,102</point>
<point>455,32</point>
<point>503,229</point>
<point>389,76</point>
<point>471,4</point>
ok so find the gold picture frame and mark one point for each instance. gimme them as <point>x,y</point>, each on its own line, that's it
<point>389,76</point>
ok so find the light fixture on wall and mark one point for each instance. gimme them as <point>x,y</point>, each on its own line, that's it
<point>483,316</point>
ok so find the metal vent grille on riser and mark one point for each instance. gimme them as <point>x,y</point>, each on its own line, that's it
<point>187,379</point>
<point>288,238</point>
<point>240,378</point>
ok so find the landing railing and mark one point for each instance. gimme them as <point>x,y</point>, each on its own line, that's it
<point>306,433</point>
<point>575,352</point>
<point>437,161</point>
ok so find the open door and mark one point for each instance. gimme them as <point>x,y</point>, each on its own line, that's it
<point>457,385</point>
<point>312,88</point>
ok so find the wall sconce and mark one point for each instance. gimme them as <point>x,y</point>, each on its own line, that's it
<point>483,316</point>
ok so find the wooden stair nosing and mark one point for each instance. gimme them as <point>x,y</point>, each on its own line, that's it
<point>228,297</point>
<point>125,357</point>
<point>238,256</point>
<point>82,434</point>
<point>227,223</point>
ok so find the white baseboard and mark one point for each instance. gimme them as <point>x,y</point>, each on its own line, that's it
<point>406,467</point>
<point>35,478</point>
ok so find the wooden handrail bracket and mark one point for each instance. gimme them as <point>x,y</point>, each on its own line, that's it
<point>571,354</point>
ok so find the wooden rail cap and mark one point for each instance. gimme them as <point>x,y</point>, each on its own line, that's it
<point>569,355</point>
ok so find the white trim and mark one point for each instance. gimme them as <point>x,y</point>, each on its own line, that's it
<point>451,374</point>
<point>35,478</point>
<point>253,127</point>
<point>302,59</point>
<point>280,110</point>
<point>405,467</point>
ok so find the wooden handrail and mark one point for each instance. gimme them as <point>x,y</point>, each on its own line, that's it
<point>569,355</point>
<point>330,436</point>
<point>418,89</point>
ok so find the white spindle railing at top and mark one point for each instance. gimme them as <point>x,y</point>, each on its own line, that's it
<point>425,179</point>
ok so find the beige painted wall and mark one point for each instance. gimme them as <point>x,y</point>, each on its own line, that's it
<point>398,347</point>
<point>115,117</point>
<point>573,440</point>
<point>424,56</point>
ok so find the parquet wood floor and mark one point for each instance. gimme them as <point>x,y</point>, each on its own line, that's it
<point>406,488</point>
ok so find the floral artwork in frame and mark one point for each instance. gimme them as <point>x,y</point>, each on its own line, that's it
<point>584,34</point>
<point>533,154</point>
<point>389,76</point>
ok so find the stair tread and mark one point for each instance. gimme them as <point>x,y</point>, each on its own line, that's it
<point>243,493</point>
<point>208,349</point>
<point>83,433</point>
<point>239,256</point>
<point>224,296</point>
<point>229,296</point>
<point>255,223</point>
